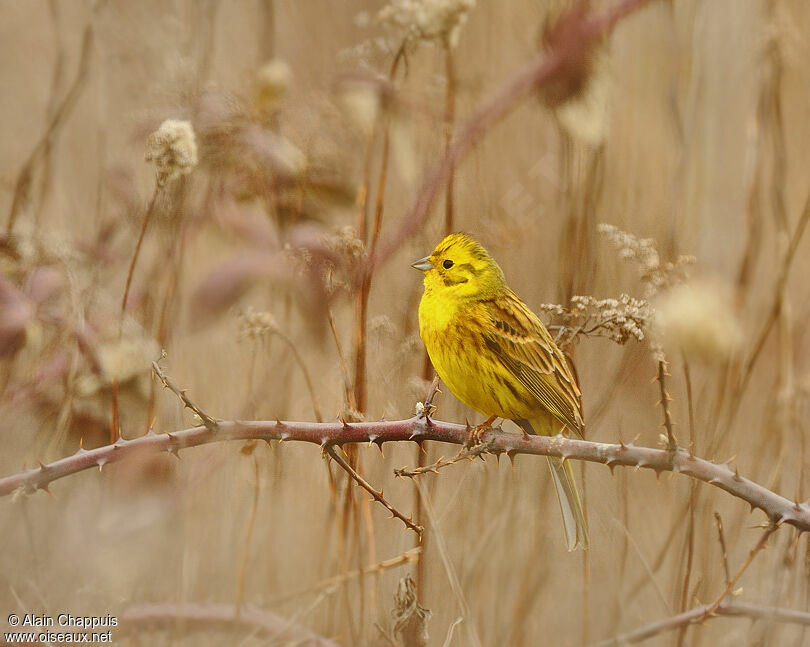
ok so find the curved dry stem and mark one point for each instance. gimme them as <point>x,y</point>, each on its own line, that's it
<point>699,614</point>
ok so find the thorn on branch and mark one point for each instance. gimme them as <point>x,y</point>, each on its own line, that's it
<point>210,423</point>
<point>470,453</point>
<point>672,443</point>
<point>332,451</point>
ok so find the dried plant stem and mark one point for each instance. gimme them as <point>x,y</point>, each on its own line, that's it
<point>24,178</point>
<point>452,577</point>
<point>240,581</point>
<point>360,390</point>
<point>701,613</point>
<point>344,367</point>
<point>331,450</point>
<point>114,423</point>
<point>733,581</point>
<point>407,557</point>
<point>775,506</point>
<point>693,493</point>
<point>418,511</point>
<point>305,371</point>
<point>449,123</point>
<point>690,556</point>
<point>773,315</point>
<point>144,224</point>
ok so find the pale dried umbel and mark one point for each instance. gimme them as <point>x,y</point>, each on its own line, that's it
<point>173,149</point>
<point>255,324</point>
<point>655,274</point>
<point>428,20</point>
<point>698,318</point>
<point>620,319</point>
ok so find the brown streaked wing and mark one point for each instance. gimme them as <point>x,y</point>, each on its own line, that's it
<point>527,350</point>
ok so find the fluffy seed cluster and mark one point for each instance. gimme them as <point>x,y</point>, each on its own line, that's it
<point>361,104</point>
<point>428,19</point>
<point>655,274</point>
<point>347,243</point>
<point>698,318</point>
<point>173,149</point>
<point>620,319</point>
<point>254,324</point>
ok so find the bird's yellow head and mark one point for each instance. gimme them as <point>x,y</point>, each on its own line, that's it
<point>462,268</point>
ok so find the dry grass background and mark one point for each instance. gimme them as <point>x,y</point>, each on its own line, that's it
<point>701,149</point>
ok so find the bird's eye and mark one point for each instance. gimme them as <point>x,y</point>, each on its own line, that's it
<point>447,264</point>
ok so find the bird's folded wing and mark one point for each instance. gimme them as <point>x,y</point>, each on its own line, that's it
<point>527,350</point>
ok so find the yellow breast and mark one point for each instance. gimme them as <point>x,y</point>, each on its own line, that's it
<point>454,340</point>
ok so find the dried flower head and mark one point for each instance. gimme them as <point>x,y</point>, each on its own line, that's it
<point>173,149</point>
<point>410,618</point>
<point>620,320</point>
<point>346,242</point>
<point>698,318</point>
<point>656,274</point>
<point>272,81</point>
<point>255,324</point>
<point>124,361</point>
<point>428,19</point>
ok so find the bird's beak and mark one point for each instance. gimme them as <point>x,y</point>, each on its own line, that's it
<point>423,264</point>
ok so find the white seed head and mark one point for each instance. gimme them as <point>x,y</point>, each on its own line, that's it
<point>361,104</point>
<point>173,149</point>
<point>428,19</point>
<point>698,318</point>
<point>255,324</point>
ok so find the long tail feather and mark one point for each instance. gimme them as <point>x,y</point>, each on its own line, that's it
<point>576,528</point>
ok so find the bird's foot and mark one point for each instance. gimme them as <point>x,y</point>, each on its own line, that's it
<point>475,433</point>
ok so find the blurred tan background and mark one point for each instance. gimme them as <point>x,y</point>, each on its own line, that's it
<point>694,127</point>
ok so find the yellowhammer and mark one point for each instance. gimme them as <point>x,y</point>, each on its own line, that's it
<point>497,357</point>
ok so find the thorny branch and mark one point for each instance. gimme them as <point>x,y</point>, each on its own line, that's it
<point>210,423</point>
<point>672,444</point>
<point>465,453</point>
<point>337,433</point>
<point>331,450</point>
<point>705,611</point>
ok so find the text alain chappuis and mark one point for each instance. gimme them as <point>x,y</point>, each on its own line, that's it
<point>62,627</point>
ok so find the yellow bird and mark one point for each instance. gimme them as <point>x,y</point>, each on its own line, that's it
<point>497,357</point>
